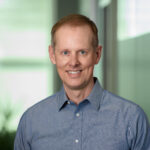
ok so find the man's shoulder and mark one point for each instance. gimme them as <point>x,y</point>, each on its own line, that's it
<point>121,104</point>
<point>46,105</point>
<point>39,115</point>
<point>127,111</point>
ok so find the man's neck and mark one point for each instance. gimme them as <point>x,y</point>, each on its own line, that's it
<point>77,96</point>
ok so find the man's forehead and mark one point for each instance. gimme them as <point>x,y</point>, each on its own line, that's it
<point>68,32</point>
<point>73,27</point>
<point>73,34</point>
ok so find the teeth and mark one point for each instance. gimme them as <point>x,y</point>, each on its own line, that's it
<point>73,72</point>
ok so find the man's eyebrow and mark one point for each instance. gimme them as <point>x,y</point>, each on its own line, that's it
<point>67,49</point>
<point>83,48</point>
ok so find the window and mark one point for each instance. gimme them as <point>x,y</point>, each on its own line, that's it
<point>25,70</point>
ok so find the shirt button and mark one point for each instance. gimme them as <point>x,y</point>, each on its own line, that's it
<point>76,141</point>
<point>77,114</point>
<point>68,102</point>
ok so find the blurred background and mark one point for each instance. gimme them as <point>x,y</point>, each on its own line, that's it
<point>26,74</point>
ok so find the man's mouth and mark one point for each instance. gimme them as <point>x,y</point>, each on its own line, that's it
<point>74,72</point>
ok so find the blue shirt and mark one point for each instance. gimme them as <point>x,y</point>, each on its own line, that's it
<point>102,121</point>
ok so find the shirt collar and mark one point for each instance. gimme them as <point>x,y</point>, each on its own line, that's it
<point>94,98</point>
<point>62,98</point>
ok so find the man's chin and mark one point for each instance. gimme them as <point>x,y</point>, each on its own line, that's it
<point>74,86</point>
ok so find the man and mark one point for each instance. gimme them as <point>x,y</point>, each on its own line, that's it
<point>82,116</point>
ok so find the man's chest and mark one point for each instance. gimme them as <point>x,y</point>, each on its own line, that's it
<point>80,131</point>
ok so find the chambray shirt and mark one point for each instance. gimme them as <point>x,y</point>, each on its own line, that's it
<point>102,121</point>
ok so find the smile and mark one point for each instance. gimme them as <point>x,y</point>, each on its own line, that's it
<point>74,72</point>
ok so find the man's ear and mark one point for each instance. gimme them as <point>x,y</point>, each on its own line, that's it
<point>52,54</point>
<point>98,53</point>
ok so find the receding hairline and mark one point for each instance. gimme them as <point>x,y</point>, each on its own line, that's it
<point>72,27</point>
<point>75,20</point>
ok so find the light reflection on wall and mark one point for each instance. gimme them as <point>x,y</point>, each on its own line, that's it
<point>134,18</point>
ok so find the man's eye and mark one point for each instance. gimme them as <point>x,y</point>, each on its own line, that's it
<point>65,52</point>
<point>82,52</point>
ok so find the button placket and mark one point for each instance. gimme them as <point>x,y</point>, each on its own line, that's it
<point>78,127</point>
<point>68,102</point>
<point>77,114</point>
<point>76,141</point>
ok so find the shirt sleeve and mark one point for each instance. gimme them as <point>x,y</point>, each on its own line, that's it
<point>21,142</point>
<point>139,131</point>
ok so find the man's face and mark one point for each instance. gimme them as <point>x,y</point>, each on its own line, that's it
<point>75,56</point>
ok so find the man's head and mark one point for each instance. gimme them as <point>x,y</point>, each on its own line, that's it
<point>75,51</point>
<point>75,20</point>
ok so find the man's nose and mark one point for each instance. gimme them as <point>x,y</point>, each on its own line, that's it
<point>74,60</point>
